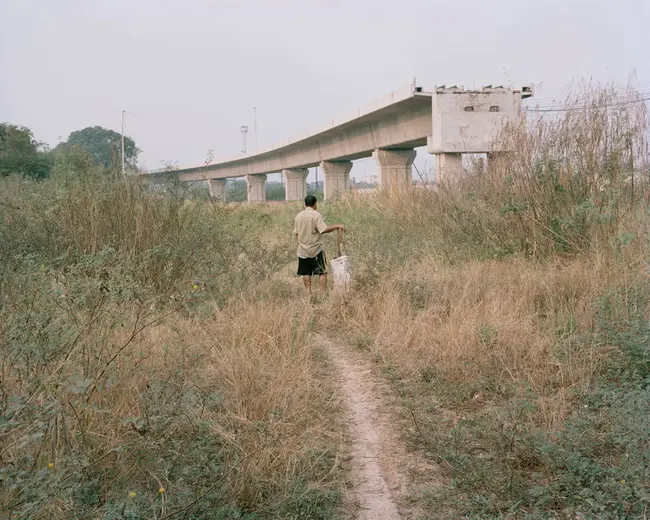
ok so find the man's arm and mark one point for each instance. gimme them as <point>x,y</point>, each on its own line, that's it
<point>323,228</point>
<point>329,229</point>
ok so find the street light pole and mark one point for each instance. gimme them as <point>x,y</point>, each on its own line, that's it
<point>123,168</point>
<point>255,126</point>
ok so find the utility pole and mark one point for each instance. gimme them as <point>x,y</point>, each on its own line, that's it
<point>255,125</point>
<point>123,168</point>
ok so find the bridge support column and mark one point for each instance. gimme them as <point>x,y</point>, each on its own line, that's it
<point>217,189</point>
<point>178,190</point>
<point>496,157</point>
<point>256,188</point>
<point>337,178</point>
<point>394,167</point>
<point>448,166</point>
<point>296,185</point>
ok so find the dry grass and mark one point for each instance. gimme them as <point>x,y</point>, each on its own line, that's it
<point>243,383</point>
<point>504,303</point>
<point>153,342</point>
<point>269,375</point>
<point>495,325</point>
<point>144,346</point>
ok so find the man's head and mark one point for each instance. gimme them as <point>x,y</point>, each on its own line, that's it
<point>311,201</point>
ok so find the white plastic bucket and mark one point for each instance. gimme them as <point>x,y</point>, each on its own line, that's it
<point>340,273</point>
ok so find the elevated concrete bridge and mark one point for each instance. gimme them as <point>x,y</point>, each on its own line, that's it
<point>449,121</point>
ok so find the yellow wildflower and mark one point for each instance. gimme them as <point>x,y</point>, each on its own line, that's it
<point>132,494</point>
<point>50,465</point>
<point>161,491</point>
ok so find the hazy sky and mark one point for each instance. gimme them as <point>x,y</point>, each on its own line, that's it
<point>189,72</point>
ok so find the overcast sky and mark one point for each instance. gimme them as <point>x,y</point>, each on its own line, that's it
<point>189,72</point>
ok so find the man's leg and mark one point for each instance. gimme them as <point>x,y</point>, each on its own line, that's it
<point>322,271</point>
<point>307,282</point>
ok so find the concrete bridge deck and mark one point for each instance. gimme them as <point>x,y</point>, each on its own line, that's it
<point>450,121</point>
<point>400,120</point>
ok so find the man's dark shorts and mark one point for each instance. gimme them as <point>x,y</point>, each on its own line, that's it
<point>312,266</point>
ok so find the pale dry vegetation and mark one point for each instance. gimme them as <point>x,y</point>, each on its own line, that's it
<point>145,349</point>
<point>491,324</point>
<point>153,342</point>
<point>510,309</point>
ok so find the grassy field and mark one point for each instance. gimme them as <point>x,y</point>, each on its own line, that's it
<point>146,347</point>
<point>510,311</point>
<point>156,358</point>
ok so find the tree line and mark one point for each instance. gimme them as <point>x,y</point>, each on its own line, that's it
<point>22,154</point>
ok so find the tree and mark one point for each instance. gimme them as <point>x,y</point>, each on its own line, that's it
<point>274,191</point>
<point>21,154</point>
<point>236,190</point>
<point>104,146</point>
<point>315,189</point>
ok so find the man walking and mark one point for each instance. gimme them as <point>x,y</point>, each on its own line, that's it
<point>309,228</point>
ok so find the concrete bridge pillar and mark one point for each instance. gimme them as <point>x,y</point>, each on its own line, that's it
<point>448,166</point>
<point>394,167</point>
<point>256,188</point>
<point>496,157</point>
<point>217,189</point>
<point>178,190</point>
<point>296,185</point>
<point>337,177</point>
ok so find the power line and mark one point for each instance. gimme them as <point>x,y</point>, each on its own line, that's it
<point>593,107</point>
<point>642,89</point>
<point>588,102</point>
<point>591,100</point>
<point>566,91</point>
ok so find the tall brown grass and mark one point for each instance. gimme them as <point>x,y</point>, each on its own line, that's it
<point>149,342</point>
<point>135,400</point>
<point>501,299</point>
<point>143,348</point>
<point>569,195</point>
<point>494,326</point>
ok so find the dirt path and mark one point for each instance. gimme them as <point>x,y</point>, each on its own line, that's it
<point>379,461</point>
<point>373,496</point>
